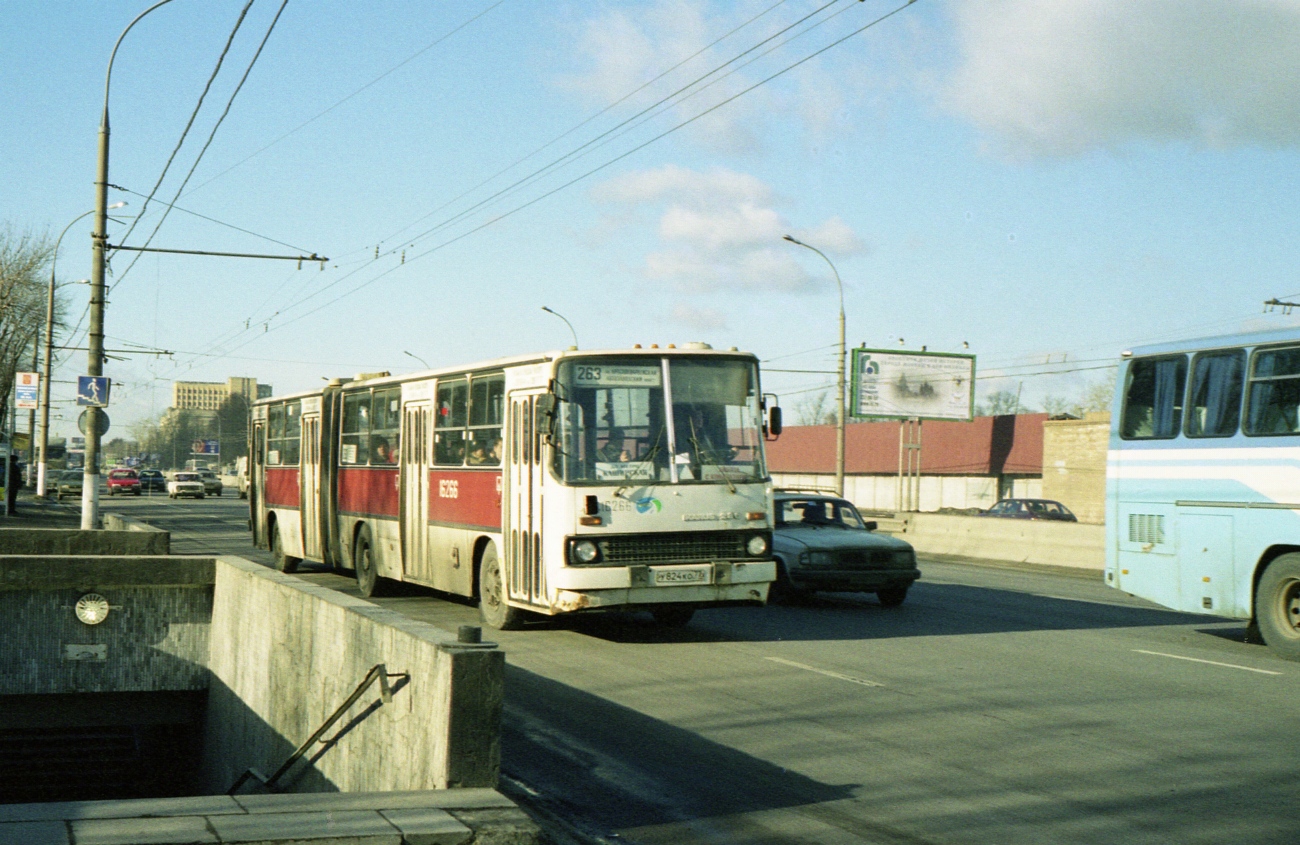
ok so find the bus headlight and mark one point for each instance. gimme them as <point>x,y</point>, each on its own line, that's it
<point>585,551</point>
<point>757,545</point>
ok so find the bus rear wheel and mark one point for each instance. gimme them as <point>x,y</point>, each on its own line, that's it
<point>492,604</point>
<point>283,562</point>
<point>1277,606</point>
<point>363,561</point>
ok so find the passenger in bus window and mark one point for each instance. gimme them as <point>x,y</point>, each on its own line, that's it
<point>384,454</point>
<point>494,452</point>
<point>477,455</point>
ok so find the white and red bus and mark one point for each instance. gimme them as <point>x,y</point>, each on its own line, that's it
<point>546,484</point>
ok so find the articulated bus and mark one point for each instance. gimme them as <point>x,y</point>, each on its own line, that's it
<point>1203,480</point>
<point>544,484</point>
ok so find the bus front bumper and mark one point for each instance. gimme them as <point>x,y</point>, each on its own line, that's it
<point>723,582</point>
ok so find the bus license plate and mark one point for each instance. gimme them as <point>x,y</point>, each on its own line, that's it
<point>680,576</point>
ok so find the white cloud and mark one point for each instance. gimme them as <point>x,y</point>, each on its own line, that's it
<point>623,48</point>
<point>701,319</point>
<point>722,230</point>
<point>1061,78</point>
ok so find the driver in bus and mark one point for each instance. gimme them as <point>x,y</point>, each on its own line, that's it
<point>614,451</point>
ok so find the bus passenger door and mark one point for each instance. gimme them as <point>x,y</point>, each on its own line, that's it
<point>522,534</point>
<point>417,423</point>
<point>257,485</point>
<point>309,493</point>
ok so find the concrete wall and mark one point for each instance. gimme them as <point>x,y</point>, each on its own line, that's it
<point>286,653</point>
<point>155,636</point>
<point>122,539</point>
<point>880,492</point>
<point>1013,540</point>
<point>1074,464</point>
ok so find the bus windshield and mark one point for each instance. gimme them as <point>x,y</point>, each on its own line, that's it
<point>667,420</point>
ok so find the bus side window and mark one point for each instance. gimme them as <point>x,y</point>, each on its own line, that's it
<point>1274,392</point>
<point>1153,400</point>
<point>1214,407</point>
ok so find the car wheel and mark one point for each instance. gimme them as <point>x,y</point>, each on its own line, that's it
<point>892,596</point>
<point>283,562</point>
<point>492,606</point>
<point>673,617</point>
<point>201,495</point>
<point>783,589</point>
<point>1277,606</point>
<point>363,562</point>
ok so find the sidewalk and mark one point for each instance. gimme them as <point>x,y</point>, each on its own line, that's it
<point>41,513</point>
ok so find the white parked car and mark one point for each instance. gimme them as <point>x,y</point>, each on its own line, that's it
<point>186,484</point>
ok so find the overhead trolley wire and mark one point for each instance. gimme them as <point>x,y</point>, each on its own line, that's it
<point>592,171</point>
<point>211,135</point>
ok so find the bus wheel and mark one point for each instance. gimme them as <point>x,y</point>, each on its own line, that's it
<point>673,617</point>
<point>363,560</point>
<point>283,562</point>
<point>1277,606</point>
<point>492,594</point>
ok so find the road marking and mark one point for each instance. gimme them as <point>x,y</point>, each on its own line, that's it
<point>825,672</point>
<point>1211,662</point>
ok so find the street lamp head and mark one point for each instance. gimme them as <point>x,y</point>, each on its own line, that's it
<point>119,204</point>
<point>792,240</point>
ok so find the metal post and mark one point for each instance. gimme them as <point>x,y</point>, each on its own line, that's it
<point>839,374</point>
<point>95,354</point>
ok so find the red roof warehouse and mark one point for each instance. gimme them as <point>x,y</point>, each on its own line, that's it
<point>987,446</point>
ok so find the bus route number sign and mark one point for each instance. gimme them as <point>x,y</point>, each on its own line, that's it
<point>604,375</point>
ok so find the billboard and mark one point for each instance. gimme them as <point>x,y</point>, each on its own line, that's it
<point>906,385</point>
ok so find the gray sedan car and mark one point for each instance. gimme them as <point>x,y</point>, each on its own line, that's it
<point>821,542</point>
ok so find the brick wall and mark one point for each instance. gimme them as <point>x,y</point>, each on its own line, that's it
<point>1074,464</point>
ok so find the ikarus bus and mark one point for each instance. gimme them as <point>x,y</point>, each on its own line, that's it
<point>1203,480</point>
<point>543,484</point>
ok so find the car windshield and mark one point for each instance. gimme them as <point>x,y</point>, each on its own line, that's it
<point>71,475</point>
<point>186,476</point>
<point>818,512</point>
<point>671,420</point>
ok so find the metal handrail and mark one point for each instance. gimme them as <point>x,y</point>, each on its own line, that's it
<point>379,672</point>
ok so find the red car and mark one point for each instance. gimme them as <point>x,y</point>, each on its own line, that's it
<point>123,481</point>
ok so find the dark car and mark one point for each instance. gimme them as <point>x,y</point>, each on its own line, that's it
<point>153,481</point>
<point>821,542</point>
<point>1031,509</point>
<point>69,483</point>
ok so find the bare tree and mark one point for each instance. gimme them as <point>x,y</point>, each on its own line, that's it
<point>815,409</point>
<point>23,257</point>
<point>1000,402</point>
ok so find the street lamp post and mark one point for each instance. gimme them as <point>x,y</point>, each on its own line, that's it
<point>839,376</point>
<point>41,468</point>
<point>566,322</point>
<point>95,355</point>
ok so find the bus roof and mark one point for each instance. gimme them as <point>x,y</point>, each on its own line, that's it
<point>519,360</point>
<point>1216,342</point>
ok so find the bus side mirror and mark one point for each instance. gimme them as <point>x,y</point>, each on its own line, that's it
<point>772,430</point>
<point>546,405</point>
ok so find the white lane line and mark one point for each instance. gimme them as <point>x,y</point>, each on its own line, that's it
<point>825,672</point>
<point>1211,662</point>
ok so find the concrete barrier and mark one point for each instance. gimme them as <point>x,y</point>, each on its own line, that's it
<point>1034,541</point>
<point>285,654</point>
<point>128,537</point>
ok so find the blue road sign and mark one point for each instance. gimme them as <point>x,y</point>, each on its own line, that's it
<point>93,390</point>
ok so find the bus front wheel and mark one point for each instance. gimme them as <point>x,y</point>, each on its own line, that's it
<point>283,562</point>
<point>1277,606</point>
<point>492,604</point>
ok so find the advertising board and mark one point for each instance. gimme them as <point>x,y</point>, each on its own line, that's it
<point>912,385</point>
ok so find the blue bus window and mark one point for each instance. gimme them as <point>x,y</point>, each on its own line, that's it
<point>1274,393</point>
<point>1153,402</point>
<point>1215,403</point>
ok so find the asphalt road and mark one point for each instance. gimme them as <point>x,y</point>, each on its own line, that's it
<point>997,705</point>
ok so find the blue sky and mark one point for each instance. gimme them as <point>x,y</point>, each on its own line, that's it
<point>1047,182</point>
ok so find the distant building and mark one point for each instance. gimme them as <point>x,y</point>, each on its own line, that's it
<point>208,395</point>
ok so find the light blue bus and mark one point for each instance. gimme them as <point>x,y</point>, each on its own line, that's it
<point>1203,480</point>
